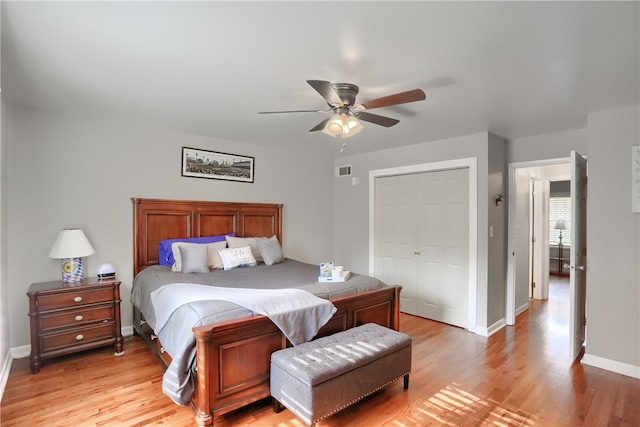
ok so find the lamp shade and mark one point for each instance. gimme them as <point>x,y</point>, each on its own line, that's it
<point>71,243</point>
<point>560,225</point>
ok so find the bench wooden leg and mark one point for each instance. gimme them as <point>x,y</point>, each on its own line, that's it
<point>406,381</point>
<point>277,406</point>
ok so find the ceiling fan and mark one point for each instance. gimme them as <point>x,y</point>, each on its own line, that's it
<point>341,98</point>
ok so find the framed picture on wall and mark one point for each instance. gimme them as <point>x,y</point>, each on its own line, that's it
<point>198,163</point>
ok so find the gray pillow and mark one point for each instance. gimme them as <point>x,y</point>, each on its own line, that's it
<point>270,250</point>
<point>194,259</point>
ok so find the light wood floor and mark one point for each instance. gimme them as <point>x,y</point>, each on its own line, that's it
<point>520,376</point>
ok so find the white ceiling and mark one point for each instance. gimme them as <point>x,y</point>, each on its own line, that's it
<point>512,68</point>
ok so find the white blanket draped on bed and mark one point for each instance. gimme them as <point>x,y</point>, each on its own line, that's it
<point>297,313</point>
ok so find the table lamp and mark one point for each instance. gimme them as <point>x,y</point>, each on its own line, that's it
<point>560,226</point>
<point>70,246</point>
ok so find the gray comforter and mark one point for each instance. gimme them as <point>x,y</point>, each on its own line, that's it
<point>177,338</point>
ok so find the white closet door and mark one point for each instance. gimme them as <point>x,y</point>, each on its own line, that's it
<point>443,246</point>
<point>395,236</point>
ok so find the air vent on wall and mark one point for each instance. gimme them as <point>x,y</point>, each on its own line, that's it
<point>343,171</point>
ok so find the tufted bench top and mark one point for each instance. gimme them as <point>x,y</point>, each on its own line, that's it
<point>317,361</point>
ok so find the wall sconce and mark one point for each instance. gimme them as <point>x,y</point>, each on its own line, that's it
<point>70,246</point>
<point>499,199</point>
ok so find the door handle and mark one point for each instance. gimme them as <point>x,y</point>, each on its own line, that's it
<point>577,267</point>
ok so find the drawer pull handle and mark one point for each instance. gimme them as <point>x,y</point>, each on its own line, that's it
<point>79,317</point>
<point>79,337</point>
<point>77,299</point>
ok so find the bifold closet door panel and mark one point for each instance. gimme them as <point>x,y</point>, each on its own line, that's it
<point>443,245</point>
<point>395,236</point>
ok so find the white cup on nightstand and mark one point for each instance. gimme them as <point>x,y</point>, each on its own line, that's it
<point>337,271</point>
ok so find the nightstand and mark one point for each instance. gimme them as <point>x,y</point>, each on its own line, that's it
<point>70,317</point>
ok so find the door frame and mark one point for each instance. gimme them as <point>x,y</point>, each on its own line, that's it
<point>469,163</point>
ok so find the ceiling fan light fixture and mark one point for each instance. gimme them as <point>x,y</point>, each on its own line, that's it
<point>342,125</point>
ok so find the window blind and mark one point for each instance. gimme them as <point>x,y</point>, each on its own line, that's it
<point>560,208</point>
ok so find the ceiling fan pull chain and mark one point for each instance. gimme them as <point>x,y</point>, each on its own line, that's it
<point>344,145</point>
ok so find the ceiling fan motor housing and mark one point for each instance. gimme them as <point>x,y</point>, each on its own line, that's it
<point>346,92</point>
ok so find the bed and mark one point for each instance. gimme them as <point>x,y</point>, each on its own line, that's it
<point>232,355</point>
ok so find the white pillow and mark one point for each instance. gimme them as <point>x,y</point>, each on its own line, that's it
<point>213,258</point>
<point>239,242</point>
<point>237,257</point>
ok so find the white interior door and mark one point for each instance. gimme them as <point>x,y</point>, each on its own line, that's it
<point>395,236</point>
<point>443,246</point>
<point>578,255</point>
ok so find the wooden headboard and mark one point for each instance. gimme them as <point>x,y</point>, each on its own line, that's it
<point>155,220</point>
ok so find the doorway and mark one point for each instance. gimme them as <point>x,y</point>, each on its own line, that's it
<point>527,242</point>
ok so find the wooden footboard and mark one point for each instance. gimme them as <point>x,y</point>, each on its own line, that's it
<point>233,358</point>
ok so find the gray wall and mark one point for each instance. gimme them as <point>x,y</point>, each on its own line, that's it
<point>75,172</point>
<point>550,146</point>
<point>497,245</point>
<point>4,282</point>
<point>613,279</point>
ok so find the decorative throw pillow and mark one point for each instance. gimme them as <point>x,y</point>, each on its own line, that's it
<point>194,259</point>
<point>270,250</point>
<point>237,257</point>
<point>238,242</point>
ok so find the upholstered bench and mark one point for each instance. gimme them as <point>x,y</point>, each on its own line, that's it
<point>319,378</point>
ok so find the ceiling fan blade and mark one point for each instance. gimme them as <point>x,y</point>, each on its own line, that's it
<point>398,98</point>
<point>327,91</point>
<point>294,111</point>
<point>320,125</point>
<point>376,119</point>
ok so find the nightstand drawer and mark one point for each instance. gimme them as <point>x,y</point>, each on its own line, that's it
<point>77,336</point>
<point>76,298</point>
<point>76,317</point>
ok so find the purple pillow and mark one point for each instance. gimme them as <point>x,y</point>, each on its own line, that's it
<point>165,256</point>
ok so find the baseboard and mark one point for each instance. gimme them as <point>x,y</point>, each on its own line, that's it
<point>522,309</point>
<point>4,374</point>
<point>487,332</point>
<point>20,352</point>
<point>612,365</point>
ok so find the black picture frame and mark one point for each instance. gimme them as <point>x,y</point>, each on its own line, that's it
<point>198,163</point>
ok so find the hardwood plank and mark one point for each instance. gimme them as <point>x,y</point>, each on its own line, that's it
<point>517,377</point>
